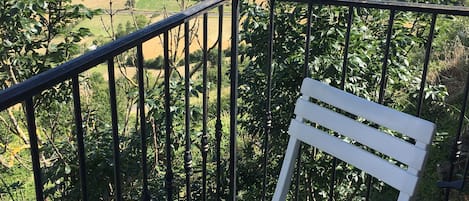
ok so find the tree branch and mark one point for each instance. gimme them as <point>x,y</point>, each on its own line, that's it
<point>18,131</point>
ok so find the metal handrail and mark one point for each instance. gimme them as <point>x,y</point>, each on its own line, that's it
<point>66,71</point>
<point>71,69</point>
<point>24,92</point>
<point>395,5</point>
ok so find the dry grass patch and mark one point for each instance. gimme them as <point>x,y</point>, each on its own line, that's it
<point>116,4</point>
<point>154,47</point>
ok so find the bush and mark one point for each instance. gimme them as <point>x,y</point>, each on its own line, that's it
<point>157,63</point>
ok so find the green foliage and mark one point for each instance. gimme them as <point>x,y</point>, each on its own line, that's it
<point>363,79</point>
<point>197,57</point>
<point>41,45</point>
<point>448,67</point>
<point>140,21</point>
<point>64,178</point>
<point>34,37</point>
<point>28,30</point>
<point>157,63</point>
<point>58,148</point>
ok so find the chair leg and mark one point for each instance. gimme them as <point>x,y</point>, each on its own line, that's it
<point>288,165</point>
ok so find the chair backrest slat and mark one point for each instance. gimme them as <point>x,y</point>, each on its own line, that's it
<point>403,123</point>
<point>396,148</point>
<point>349,153</point>
<point>365,137</point>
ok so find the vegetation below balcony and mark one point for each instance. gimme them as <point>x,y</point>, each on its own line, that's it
<point>187,99</point>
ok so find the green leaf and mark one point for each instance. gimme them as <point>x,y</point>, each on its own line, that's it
<point>68,170</point>
<point>7,43</point>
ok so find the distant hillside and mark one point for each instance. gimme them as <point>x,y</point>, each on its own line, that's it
<point>149,5</point>
<point>117,4</point>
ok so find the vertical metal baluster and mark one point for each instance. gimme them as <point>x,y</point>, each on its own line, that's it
<point>384,70</point>
<point>347,43</point>
<point>268,113</point>
<point>234,95</point>
<point>143,133</point>
<point>342,86</point>
<point>80,141</point>
<point>168,120</point>
<point>454,147</point>
<point>425,65</point>
<point>305,74</point>
<point>424,78</point>
<point>115,130</point>
<point>31,120</point>
<point>346,49</point>
<point>218,125</point>
<point>187,153</point>
<point>204,141</point>
<point>308,41</point>
<point>382,89</point>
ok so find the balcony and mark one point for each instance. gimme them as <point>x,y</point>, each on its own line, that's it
<point>214,126</point>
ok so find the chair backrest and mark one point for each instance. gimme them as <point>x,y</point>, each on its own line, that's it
<point>343,137</point>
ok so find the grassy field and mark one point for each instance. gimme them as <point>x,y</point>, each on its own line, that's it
<point>160,5</point>
<point>147,5</point>
<point>103,4</point>
<point>153,47</point>
<point>97,24</point>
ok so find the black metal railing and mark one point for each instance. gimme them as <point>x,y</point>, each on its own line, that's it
<point>26,91</point>
<point>393,7</point>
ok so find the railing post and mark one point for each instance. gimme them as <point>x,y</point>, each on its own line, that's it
<point>428,50</point>
<point>268,113</point>
<point>204,139</point>
<point>143,133</point>
<point>187,152</point>
<point>79,130</point>
<point>218,124</point>
<point>382,89</point>
<point>115,130</point>
<point>347,43</point>
<point>168,120</point>
<point>31,120</point>
<point>306,73</point>
<point>234,96</point>
<point>335,161</point>
<point>384,70</point>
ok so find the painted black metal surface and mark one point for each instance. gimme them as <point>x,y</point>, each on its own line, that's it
<point>115,131</point>
<point>23,93</point>
<point>79,134</point>
<point>30,118</point>
<point>168,120</point>
<point>66,71</point>
<point>143,133</point>
<point>218,124</point>
<point>234,98</point>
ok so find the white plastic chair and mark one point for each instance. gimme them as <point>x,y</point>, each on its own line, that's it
<point>413,156</point>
